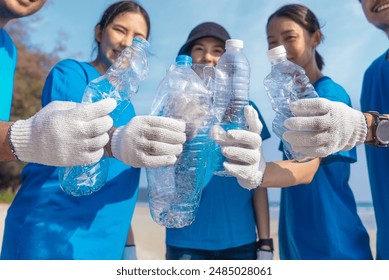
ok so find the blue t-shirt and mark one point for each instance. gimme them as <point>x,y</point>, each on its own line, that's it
<point>8,58</point>
<point>319,220</point>
<point>225,217</point>
<point>45,223</point>
<point>375,97</point>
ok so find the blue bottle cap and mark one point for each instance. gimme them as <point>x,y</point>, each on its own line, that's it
<point>184,59</point>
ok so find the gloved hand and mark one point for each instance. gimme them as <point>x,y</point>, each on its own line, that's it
<point>149,141</point>
<point>64,133</point>
<point>243,149</point>
<point>264,255</point>
<point>322,127</point>
<point>129,253</point>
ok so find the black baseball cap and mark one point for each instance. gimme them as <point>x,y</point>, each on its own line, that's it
<point>205,29</point>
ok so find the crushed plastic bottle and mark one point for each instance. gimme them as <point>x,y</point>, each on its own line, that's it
<point>121,82</point>
<point>174,192</point>
<point>232,81</point>
<point>286,83</point>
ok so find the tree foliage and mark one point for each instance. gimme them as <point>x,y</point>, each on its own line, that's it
<point>32,68</point>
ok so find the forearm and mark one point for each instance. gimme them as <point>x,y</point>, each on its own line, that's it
<point>286,173</point>
<point>5,151</point>
<point>261,208</point>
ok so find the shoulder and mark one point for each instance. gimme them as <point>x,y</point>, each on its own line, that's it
<point>328,88</point>
<point>70,69</point>
<point>379,60</point>
<point>5,39</point>
<point>7,43</point>
<point>377,63</point>
<point>66,81</point>
<point>68,65</point>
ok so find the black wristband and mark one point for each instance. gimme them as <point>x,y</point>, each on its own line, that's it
<point>266,242</point>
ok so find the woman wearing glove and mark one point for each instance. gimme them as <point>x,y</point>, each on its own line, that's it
<point>318,220</point>
<point>45,223</point>
<point>225,224</point>
<point>332,116</point>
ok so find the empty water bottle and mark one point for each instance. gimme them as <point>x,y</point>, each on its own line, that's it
<point>121,82</point>
<point>286,83</point>
<point>174,192</point>
<point>232,79</point>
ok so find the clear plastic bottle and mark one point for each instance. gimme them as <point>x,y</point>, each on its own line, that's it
<point>286,83</point>
<point>174,192</point>
<point>232,79</point>
<point>121,82</point>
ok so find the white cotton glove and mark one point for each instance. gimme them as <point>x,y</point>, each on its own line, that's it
<point>149,141</point>
<point>129,253</point>
<point>64,133</point>
<point>322,127</point>
<point>243,150</point>
<point>264,255</point>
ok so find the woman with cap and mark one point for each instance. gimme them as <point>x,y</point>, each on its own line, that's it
<point>225,224</point>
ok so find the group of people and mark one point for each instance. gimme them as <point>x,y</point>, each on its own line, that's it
<point>232,221</point>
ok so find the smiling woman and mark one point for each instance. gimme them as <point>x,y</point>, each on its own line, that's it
<point>42,221</point>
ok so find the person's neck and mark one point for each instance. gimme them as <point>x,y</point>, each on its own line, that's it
<point>3,22</point>
<point>100,66</point>
<point>314,74</point>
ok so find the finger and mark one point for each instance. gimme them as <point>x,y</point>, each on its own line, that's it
<point>158,161</point>
<point>252,119</point>
<point>307,123</point>
<point>314,151</point>
<point>237,154</point>
<point>309,143</point>
<point>96,143</point>
<point>96,110</point>
<point>310,106</point>
<point>61,105</point>
<point>238,171</point>
<point>98,126</point>
<point>218,134</point>
<point>164,122</point>
<point>305,139</point>
<point>88,158</point>
<point>164,135</point>
<point>159,149</point>
<point>244,138</point>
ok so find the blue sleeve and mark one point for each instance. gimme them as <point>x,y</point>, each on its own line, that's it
<point>8,59</point>
<point>66,82</point>
<point>265,134</point>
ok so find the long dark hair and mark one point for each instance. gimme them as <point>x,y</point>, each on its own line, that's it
<point>303,17</point>
<point>119,8</point>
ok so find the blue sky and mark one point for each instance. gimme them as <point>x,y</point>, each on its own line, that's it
<point>350,45</point>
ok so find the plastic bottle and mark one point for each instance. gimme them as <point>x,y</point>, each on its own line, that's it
<point>232,79</point>
<point>286,83</point>
<point>121,82</point>
<point>174,192</point>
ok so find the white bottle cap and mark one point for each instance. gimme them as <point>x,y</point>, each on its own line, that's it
<point>234,43</point>
<point>276,52</point>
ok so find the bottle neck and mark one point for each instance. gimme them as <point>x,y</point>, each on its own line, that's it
<point>183,64</point>
<point>234,49</point>
<point>278,60</point>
